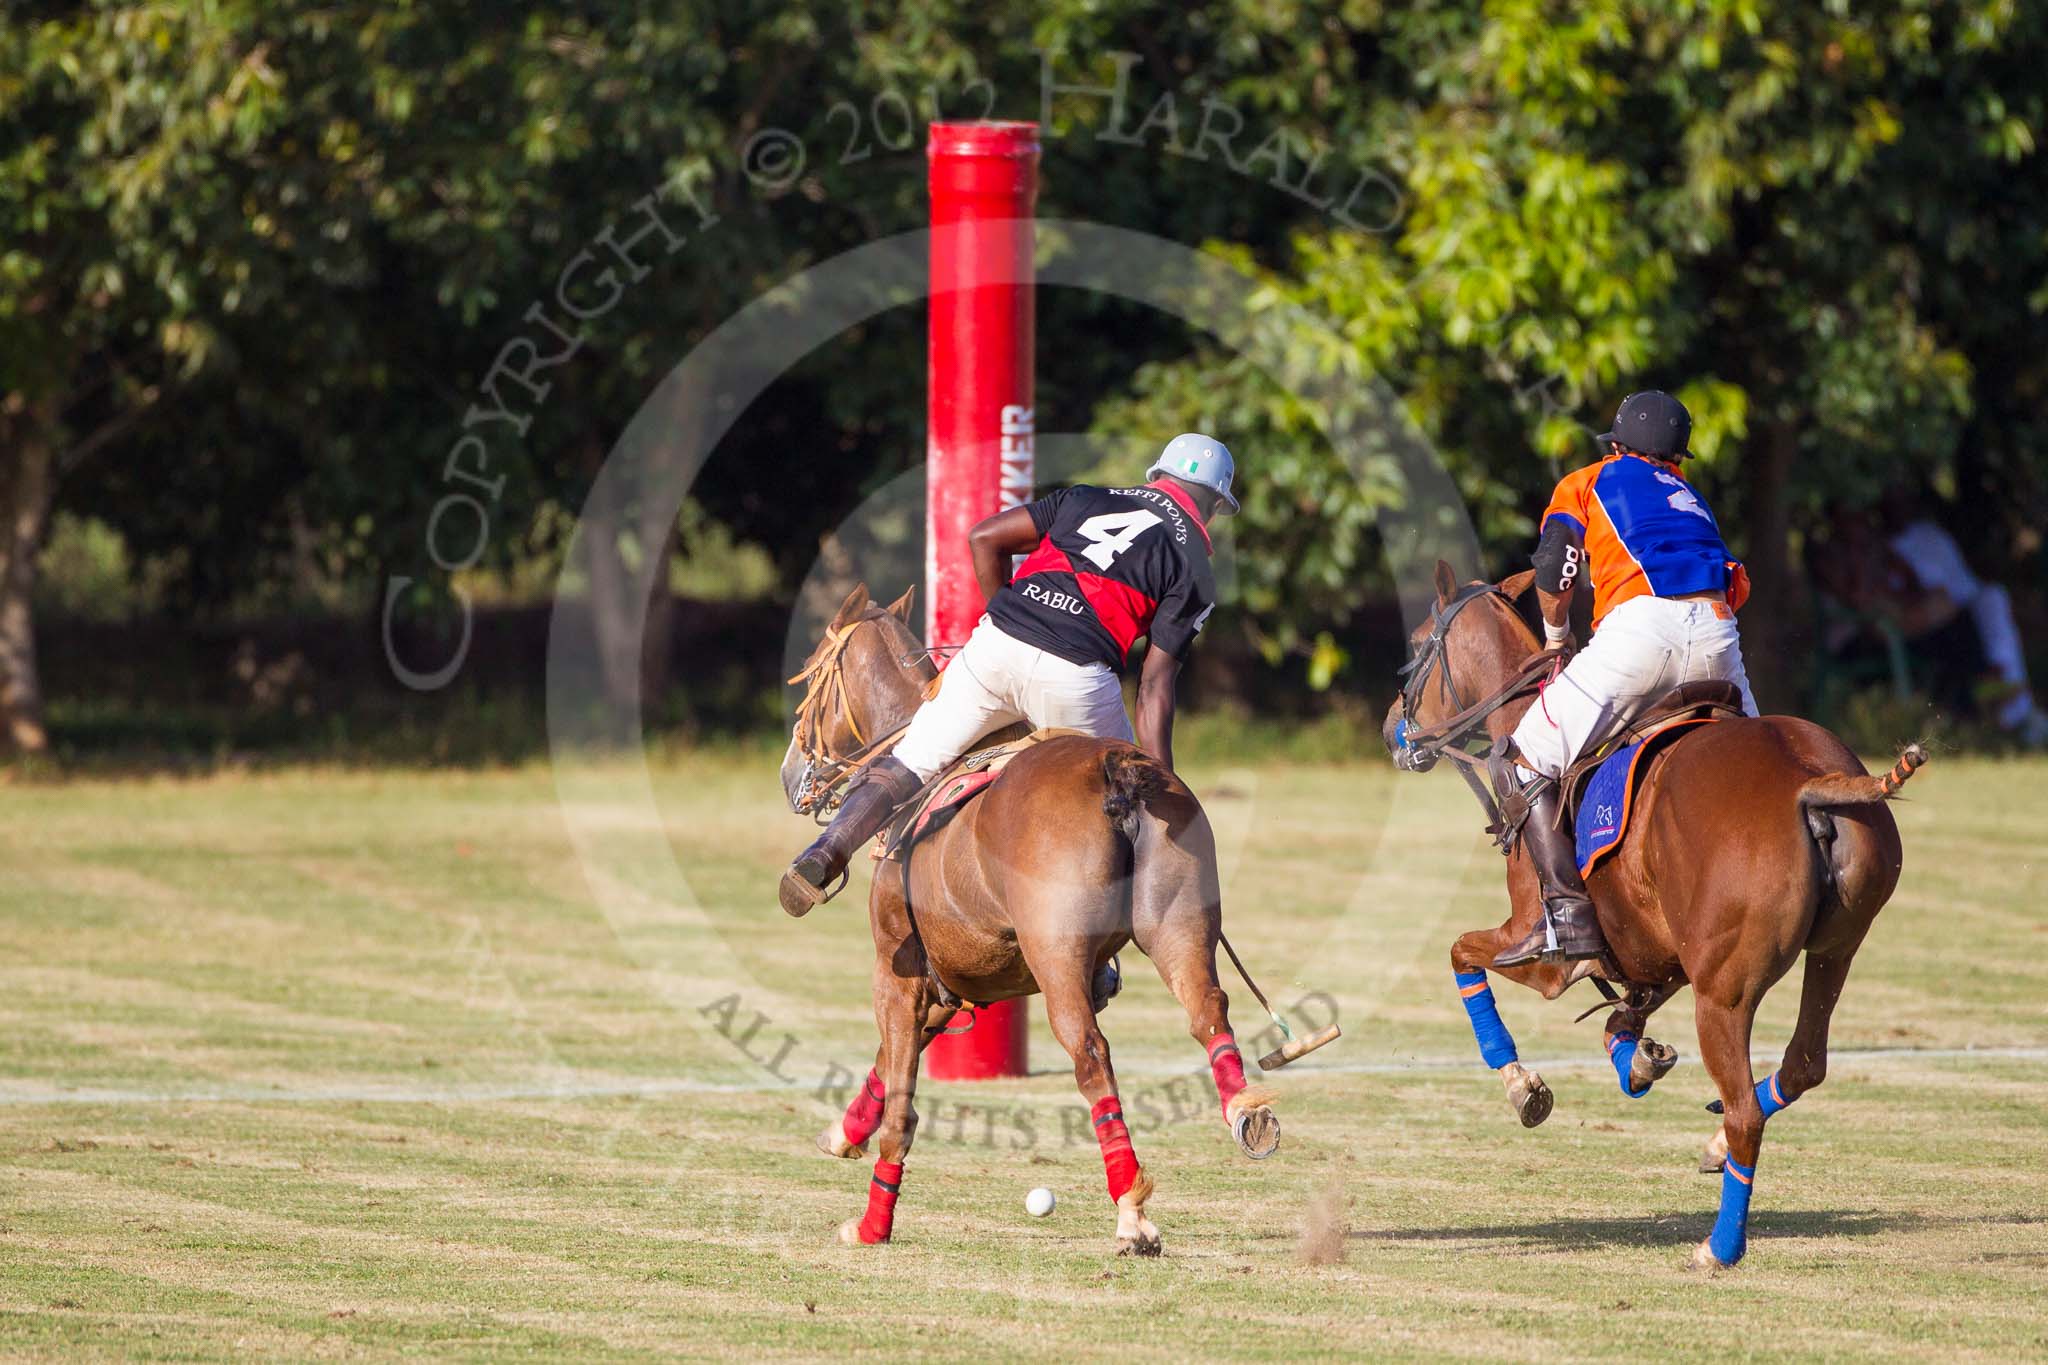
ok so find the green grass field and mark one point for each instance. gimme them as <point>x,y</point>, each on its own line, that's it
<point>338,1064</point>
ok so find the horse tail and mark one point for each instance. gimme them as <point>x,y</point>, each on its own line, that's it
<point>1130,778</point>
<point>1860,789</point>
<point>1857,857</point>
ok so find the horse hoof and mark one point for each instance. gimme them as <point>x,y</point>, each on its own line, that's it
<point>1527,1093</point>
<point>1703,1258</point>
<point>1715,1155</point>
<point>834,1142</point>
<point>1257,1132</point>
<point>1144,1244</point>
<point>1136,1235</point>
<point>1653,1062</point>
<point>849,1234</point>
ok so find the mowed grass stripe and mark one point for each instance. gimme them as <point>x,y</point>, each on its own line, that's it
<point>323,930</point>
<point>1225,1218</point>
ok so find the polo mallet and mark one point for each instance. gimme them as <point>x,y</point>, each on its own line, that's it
<point>1292,1049</point>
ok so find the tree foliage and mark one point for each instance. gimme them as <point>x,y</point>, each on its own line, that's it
<point>1820,226</point>
<point>260,263</point>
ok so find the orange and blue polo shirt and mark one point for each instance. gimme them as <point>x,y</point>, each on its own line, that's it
<point>1647,532</point>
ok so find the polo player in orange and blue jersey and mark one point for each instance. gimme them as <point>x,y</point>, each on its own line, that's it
<point>1665,594</point>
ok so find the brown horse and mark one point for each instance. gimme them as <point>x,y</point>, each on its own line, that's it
<point>1080,846</point>
<point>1751,840</point>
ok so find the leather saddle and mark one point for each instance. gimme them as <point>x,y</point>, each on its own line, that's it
<point>1684,704</point>
<point>947,794</point>
<point>1689,702</point>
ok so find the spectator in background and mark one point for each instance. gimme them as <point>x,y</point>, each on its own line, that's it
<point>1942,586</point>
<point>1857,570</point>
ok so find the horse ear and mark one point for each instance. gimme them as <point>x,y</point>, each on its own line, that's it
<point>900,608</point>
<point>1446,582</point>
<point>856,602</point>
<point>1516,584</point>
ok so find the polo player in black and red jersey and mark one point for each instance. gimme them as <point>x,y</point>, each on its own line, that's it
<point>1106,566</point>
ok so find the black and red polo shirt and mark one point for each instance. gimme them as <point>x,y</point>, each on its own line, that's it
<point>1114,564</point>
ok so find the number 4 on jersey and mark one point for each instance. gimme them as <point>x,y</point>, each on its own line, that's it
<point>1110,534</point>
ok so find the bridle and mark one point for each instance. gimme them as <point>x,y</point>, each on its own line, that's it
<point>1433,651</point>
<point>1417,749</point>
<point>826,772</point>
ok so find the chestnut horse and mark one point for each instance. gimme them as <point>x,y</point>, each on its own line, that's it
<point>1081,846</point>
<point>1751,840</point>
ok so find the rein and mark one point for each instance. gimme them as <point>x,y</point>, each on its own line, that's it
<point>826,772</point>
<point>1417,750</point>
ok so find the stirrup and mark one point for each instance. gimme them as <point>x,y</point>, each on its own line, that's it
<point>1538,945</point>
<point>799,895</point>
<point>1541,945</point>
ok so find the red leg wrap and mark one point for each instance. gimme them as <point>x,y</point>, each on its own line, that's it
<point>1226,1063</point>
<point>881,1214</point>
<point>1119,1161</point>
<point>864,1115</point>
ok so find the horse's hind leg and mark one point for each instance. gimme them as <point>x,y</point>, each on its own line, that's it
<point>1527,1094</point>
<point>1067,1008</point>
<point>1805,1064</point>
<point>1186,959</point>
<point>1724,1047</point>
<point>1177,921</point>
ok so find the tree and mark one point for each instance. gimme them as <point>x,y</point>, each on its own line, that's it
<point>263,263</point>
<point>1778,210</point>
<point>166,221</point>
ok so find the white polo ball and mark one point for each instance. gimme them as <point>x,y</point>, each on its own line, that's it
<point>1039,1202</point>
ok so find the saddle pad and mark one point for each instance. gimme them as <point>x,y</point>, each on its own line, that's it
<point>953,793</point>
<point>1609,795</point>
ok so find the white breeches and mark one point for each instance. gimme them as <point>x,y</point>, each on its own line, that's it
<point>997,680</point>
<point>1645,647</point>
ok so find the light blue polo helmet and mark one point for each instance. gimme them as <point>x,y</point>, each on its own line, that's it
<point>1194,458</point>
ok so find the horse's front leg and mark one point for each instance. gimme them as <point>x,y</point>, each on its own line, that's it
<point>1527,1095</point>
<point>847,1136</point>
<point>908,1018</point>
<point>904,1013</point>
<point>1639,1060</point>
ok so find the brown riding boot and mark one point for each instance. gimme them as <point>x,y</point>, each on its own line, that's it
<point>867,807</point>
<point>1570,928</point>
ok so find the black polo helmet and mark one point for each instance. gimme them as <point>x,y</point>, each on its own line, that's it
<point>1652,422</point>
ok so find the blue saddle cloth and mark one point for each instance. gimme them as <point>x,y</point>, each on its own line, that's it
<point>1601,820</point>
<point>1603,810</point>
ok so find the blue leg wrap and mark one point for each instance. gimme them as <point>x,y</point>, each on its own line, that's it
<point>1769,1097</point>
<point>1496,1048</point>
<point>1731,1230</point>
<point>1621,1050</point>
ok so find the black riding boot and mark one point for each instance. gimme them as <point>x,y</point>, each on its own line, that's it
<point>867,807</point>
<point>1570,928</point>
